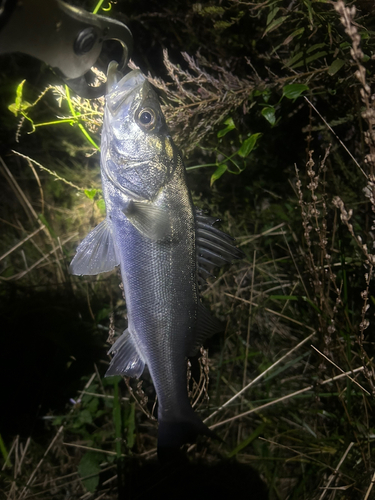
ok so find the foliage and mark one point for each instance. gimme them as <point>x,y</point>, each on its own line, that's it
<point>281,97</point>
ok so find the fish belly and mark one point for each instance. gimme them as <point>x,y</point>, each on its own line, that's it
<point>161,298</point>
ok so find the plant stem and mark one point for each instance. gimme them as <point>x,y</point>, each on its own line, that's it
<point>118,437</point>
<point>81,127</point>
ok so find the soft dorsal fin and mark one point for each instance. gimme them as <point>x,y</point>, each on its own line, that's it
<point>126,361</point>
<point>97,253</point>
<point>150,220</point>
<point>214,248</point>
<point>206,326</point>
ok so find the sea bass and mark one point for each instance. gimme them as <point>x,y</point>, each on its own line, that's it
<point>165,249</point>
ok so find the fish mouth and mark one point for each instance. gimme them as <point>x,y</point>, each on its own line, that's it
<point>121,93</point>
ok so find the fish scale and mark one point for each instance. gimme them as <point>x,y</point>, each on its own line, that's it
<point>165,248</point>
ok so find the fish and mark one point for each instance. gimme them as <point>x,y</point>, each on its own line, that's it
<point>166,249</point>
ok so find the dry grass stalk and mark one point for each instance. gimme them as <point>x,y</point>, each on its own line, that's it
<point>347,15</point>
<point>200,99</point>
<point>257,379</point>
<point>287,396</point>
<point>335,473</point>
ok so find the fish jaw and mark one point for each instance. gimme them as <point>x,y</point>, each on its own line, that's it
<point>121,94</point>
<point>136,159</point>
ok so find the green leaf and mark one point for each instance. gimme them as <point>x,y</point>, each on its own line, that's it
<point>92,406</point>
<point>111,380</point>
<point>49,228</point>
<point>221,169</point>
<point>84,417</point>
<point>289,38</point>
<point>294,59</point>
<point>272,14</point>
<point>230,126</point>
<point>4,453</point>
<point>315,47</point>
<point>19,93</point>
<point>314,306</point>
<point>335,66</point>
<point>248,145</point>
<point>266,94</point>
<point>222,25</point>
<point>294,90</point>
<point>101,205</point>
<point>117,419</point>
<point>90,193</point>
<point>212,11</point>
<point>269,114</point>
<point>58,420</point>
<point>317,55</point>
<point>248,440</point>
<point>13,108</point>
<point>130,425</point>
<point>309,59</point>
<point>19,105</point>
<point>90,466</point>
<point>275,24</point>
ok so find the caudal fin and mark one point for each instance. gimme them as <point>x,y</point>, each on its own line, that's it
<point>173,434</point>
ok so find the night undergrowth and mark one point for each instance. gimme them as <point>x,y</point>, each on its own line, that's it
<point>273,107</point>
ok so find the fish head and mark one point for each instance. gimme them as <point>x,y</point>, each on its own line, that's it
<point>137,151</point>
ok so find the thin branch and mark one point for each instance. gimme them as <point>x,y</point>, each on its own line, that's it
<point>333,475</point>
<point>259,377</point>
<point>337,137</point>
<point>341,370</point>
<point>283,398</point>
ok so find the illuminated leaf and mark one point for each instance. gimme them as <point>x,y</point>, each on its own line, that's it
<point>19,105</point>
<point>221,169</point>
<point>90,466</point>
<point>269,114</point>
<point>248,145</point>
<point>275,24</point>
<point>230,126</point>
<point>101,205</point>
<point>335,66</point>
<point>294,90</point>
<point>90,193</point>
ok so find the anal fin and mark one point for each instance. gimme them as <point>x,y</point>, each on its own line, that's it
<point>126,361</point>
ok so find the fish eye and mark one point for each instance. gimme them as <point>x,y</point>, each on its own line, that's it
<point>147,118</point>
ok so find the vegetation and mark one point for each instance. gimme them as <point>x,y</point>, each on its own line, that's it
<point>272,104</point>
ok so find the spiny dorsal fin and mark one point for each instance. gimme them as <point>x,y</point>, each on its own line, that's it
<point>126,361</point>
<point>97,253</point>
<point>214,248</point>
<point>150,220</point>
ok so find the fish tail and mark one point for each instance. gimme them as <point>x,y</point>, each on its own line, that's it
<point>173,434</point>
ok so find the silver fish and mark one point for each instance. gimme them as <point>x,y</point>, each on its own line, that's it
<point>165,248</point>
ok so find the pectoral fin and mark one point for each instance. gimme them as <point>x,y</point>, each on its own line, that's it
<point>152,221</point>
<point>126,361</point>
<point>97,253</point>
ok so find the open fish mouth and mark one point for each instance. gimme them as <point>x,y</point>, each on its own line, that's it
<point>121,92</point>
